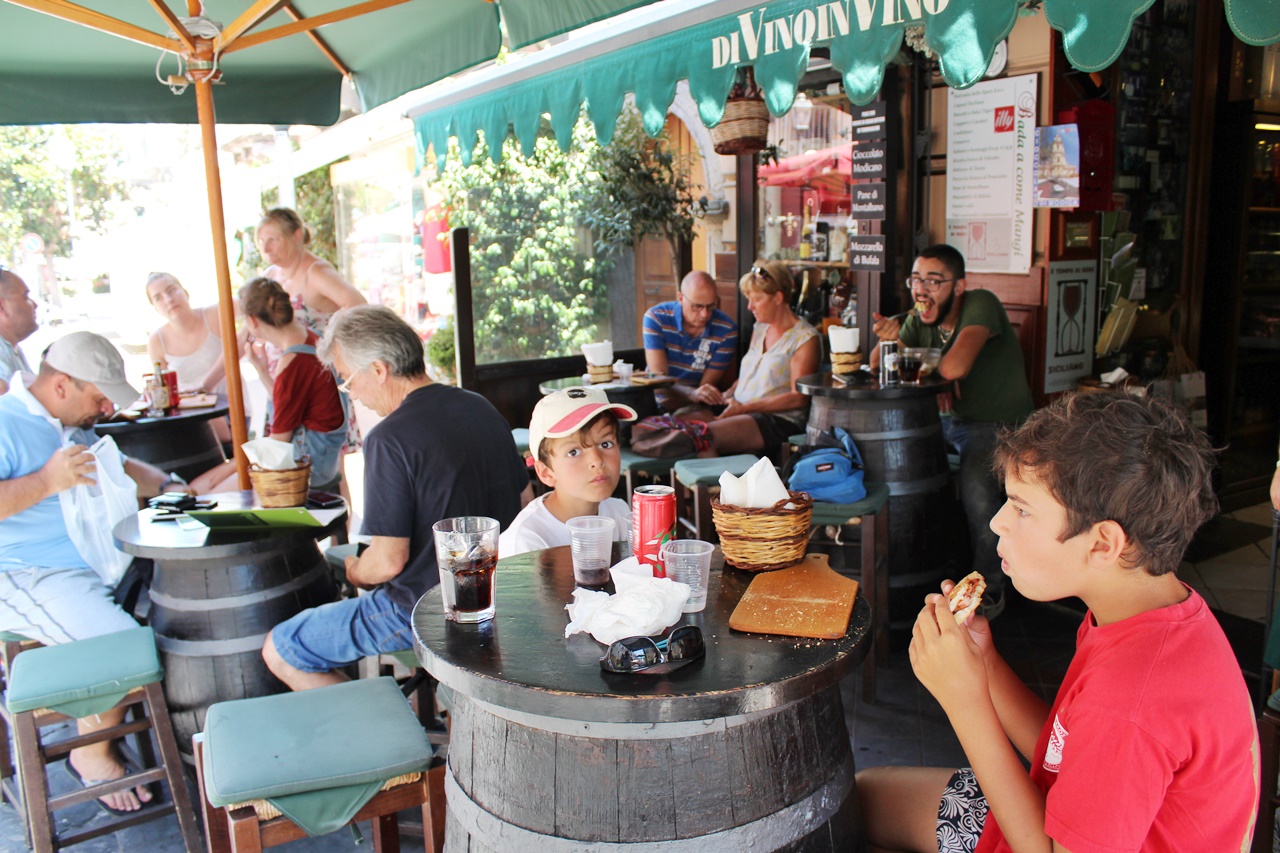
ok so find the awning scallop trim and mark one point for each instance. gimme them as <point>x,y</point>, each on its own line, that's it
<point>775,39</point>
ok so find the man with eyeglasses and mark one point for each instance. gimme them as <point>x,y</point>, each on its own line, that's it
<point>692,340</point>
<point>982,356</point>
<point>17,323</point>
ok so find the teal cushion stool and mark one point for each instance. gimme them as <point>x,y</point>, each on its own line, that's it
<point>320,757</point>
<point>520,436</point>
<point>871,516</point>
<point>693,480</point>
<point>634,464</point>
<point>85,677</point>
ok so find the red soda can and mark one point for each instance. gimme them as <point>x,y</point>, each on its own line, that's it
<point>653,524</point>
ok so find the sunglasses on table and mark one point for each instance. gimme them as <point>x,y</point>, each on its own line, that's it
<point>645,654</point>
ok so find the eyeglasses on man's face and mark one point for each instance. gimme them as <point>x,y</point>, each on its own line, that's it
<point>345,386</point>
<point>928,285</point>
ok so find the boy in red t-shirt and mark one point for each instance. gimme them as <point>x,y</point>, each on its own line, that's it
<point>1150,743</point>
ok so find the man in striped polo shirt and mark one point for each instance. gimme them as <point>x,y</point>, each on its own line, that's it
<point>692,340</point>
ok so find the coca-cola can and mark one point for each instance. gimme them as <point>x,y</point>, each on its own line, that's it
<point>889,373</point>
<point>653,524</point>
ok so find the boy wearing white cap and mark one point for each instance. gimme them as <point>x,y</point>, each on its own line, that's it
<point>574,437</point>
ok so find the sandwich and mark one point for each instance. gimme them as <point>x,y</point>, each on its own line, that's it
<point>966,595</point>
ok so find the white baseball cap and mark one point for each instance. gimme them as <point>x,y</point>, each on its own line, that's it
<point>92,358</point>
<point>567,410</point>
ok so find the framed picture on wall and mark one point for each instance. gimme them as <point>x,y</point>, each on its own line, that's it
<point>1076,235</point>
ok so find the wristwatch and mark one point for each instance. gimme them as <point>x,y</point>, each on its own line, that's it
<point>171,479</point>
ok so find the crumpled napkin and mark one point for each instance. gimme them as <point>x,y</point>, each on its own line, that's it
<point>759,488</point>
<point>843,339</point>
<point>269,454</point>
<point>599,354</point>
<point>642,607</point>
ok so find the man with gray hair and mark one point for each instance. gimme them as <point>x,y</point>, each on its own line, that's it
<point>17,322</point>
<point>439,452</point>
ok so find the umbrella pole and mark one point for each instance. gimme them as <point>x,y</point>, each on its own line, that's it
<point>226,307</point>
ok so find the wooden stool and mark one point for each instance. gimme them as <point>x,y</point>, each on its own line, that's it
<point>871,518</point>
<point>693,480</point>
<point>365,756</point>
<point>53,684</point>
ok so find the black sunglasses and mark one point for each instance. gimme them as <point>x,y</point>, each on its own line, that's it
<point>761,272</point>
<point>645,654</point>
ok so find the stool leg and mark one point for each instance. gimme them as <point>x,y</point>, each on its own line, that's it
<point>165,739</point>
<point>871,587</point>
<point>35,785</point>
<point>702,514</point>
<point>245,835</point>
<point>881,550</point>
<point>217,839</point>
<point>433,817</point>
<point>386,834</point>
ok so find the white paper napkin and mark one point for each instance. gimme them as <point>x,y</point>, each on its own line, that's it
<point>759,488</point>
<point>599,354</point>
<point>843,339</point>
<point>269,454</point>
<point>642,606</point>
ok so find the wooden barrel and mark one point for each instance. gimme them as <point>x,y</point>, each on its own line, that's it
<point>769,780</point>
<point>211,615</point>
<point>901,443</point>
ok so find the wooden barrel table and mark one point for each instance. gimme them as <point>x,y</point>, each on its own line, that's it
<point>214,597</point>
<point>182,443</point>
<point>899,434</point>
<point>744,750</point>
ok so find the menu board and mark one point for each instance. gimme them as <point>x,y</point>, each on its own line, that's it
<point>991,173</point>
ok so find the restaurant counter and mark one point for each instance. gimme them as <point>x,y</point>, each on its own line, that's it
<point>745,749</point>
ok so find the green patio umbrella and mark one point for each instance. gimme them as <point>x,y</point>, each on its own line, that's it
<point>269,62</point>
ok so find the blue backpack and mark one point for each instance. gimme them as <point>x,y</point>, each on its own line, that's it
<point>830,469</point>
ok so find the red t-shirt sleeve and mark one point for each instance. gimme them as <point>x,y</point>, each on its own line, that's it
<point>305,394</point>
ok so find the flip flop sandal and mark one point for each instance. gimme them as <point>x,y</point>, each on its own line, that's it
<point>110,809</point>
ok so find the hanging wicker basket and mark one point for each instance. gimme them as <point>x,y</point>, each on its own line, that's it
<point>761,540</point>
<point>276,489</point>
<point>744,129</point>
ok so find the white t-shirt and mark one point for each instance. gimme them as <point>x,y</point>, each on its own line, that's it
<point>536,528</point>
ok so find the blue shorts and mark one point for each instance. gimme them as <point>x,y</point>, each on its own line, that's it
<point>333,635</point>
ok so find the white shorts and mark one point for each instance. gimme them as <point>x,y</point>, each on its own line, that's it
<point>58,605</point>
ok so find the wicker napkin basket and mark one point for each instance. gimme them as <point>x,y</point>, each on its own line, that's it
<point>762,540</point>
<point>276,489</point>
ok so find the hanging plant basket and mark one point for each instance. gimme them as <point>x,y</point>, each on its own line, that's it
<point>744,129</point>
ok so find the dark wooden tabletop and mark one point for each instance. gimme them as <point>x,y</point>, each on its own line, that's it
<point>866,386</point>
<point>521,659</point>
<point>550,386</point>
<point>146,424</point>
<point>165,540</point>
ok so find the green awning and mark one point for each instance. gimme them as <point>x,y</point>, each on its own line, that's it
<point>53,71</point>
<point>775,40</point>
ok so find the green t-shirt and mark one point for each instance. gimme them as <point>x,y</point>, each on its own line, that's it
<point>996,388</point>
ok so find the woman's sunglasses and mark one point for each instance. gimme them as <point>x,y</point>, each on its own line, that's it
<point>645,654</point>
<point>761,272</point>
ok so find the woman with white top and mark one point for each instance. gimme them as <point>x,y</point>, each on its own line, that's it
<point>763,408</point>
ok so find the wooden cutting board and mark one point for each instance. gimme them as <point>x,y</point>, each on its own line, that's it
<point>198,401</point>
<point>810,599</point>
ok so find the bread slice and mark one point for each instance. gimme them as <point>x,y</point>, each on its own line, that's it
<point>966,595</point>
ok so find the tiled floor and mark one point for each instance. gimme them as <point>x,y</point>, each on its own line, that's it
<point>905,726</point>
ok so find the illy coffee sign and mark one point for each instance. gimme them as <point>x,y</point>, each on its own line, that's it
<point>758,36</point>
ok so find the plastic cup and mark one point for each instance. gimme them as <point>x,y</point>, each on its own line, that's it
<point>591,542</point>
<point>467,555</point>
<point>688,561</point>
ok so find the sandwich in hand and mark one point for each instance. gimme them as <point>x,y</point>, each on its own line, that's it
<point>966,595</point>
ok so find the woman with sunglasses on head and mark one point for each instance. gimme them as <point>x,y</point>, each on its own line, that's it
<point>763,408</point>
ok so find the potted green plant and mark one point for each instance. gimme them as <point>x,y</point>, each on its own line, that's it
<point>442,353</point>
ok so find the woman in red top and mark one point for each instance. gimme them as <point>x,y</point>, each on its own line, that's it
<point>306,406</point>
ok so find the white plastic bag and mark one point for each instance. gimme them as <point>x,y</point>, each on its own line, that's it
<point>92,512</point>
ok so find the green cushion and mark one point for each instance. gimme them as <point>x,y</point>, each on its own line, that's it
<point>706,472</point>
<point>636,463</point>
<point>98,669</point>
<point>10,637</point>
<point>798,440</point>
<point>407,658</point>
<point>521,437</point>
<point>349,734</point>
<point>828,513</point>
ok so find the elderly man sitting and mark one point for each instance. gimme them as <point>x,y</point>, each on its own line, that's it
<point>439,452</point>
<point>48,592</point>
<point>692,340</point>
